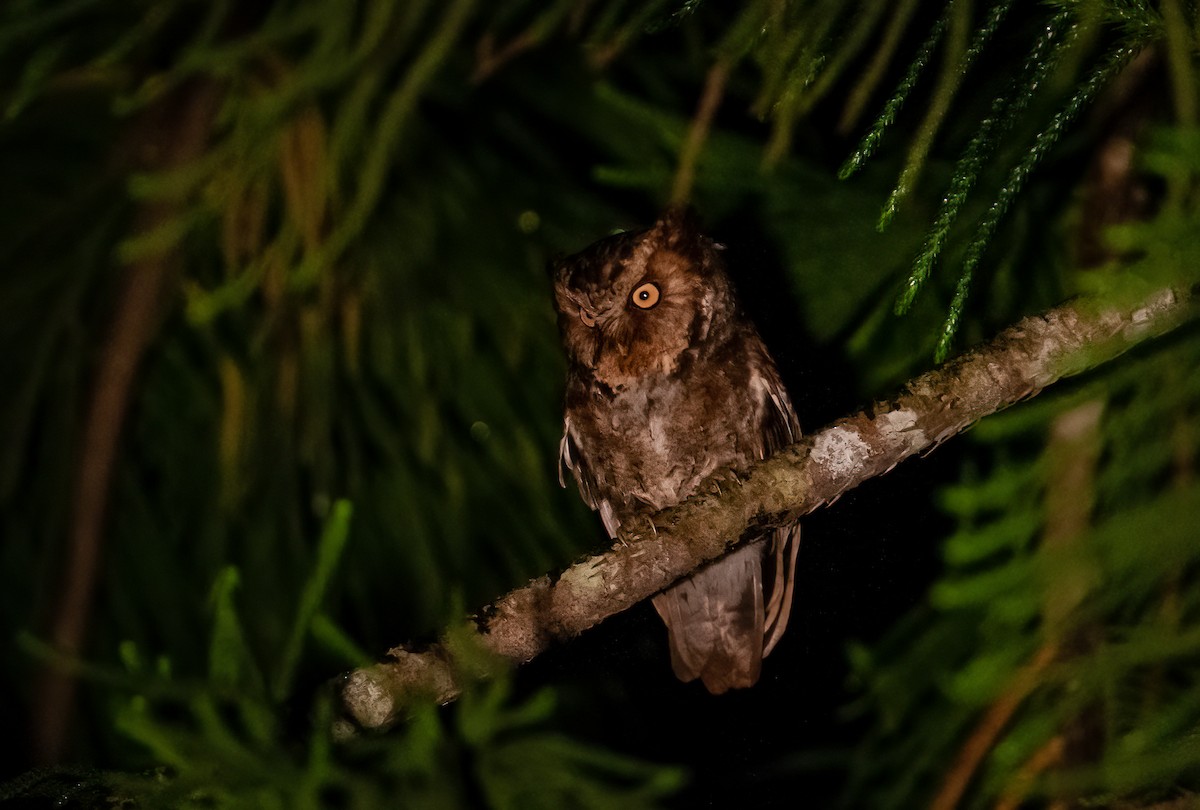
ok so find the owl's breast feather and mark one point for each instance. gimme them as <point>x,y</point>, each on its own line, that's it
<point>655,441</point>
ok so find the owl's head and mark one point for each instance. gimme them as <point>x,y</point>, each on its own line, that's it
<point>631,305</point>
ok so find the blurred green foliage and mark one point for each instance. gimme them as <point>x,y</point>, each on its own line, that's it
<point>344,428</point>
<point>1114,596</point>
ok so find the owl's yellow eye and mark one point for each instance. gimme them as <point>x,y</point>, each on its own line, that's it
<point>645,296</point>
<point>587,319</point>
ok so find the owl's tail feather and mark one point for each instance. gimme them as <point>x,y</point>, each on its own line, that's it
<point>715,621</point>
<point>786,545</point>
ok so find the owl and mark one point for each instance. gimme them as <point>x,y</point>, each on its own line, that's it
<point>668,382</point>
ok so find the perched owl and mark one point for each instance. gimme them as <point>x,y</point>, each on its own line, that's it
<point>667,382</point>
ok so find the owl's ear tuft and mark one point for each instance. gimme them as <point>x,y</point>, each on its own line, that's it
<point>679,223</point>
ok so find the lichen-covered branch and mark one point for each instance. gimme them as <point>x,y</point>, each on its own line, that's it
<point>731,508</point>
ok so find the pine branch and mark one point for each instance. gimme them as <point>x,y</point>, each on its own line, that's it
<point>729,509</point>
<point>171,134</point>
<point>706,110</point>
<point>985,734</point>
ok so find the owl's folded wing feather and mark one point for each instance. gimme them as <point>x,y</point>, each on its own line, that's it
<point>571,457</point>
<point>780,427</point>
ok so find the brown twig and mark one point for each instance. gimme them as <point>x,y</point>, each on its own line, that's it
<point>1043,759</point>
<point>171,134</point>
<point>1072,451</point>
<point>873,73</point>
<point>489,58</point>
<point>815,471</point>
<point>984,736</point>
<point>706,110</point>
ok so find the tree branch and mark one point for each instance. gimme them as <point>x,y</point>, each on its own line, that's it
<point>730,508</point>
<point>170,134</point>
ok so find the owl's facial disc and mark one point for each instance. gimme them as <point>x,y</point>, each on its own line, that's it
<point>631,305</point>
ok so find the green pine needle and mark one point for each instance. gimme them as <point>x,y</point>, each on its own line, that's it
<point>1050,135</point>
<point>891,109</point>
<point>1042,58</point>
<point>958,63</point>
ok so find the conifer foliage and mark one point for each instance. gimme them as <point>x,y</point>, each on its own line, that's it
<point>282,389</point>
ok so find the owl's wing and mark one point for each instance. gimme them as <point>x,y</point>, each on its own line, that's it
<point>571,457</point>
<point>779,428</point>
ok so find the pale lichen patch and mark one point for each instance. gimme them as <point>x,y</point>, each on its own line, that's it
<point>840,451</point>
<point>370,701</point>
<point>1163,299</point>
<point>902,426</point>
<point>902,419</point>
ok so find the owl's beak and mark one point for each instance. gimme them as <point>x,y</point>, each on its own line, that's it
<point>606,339</point>
<point>603,338</point>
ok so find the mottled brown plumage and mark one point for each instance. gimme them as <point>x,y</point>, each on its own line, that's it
<point>668,382</point>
